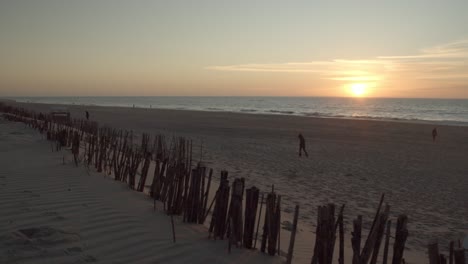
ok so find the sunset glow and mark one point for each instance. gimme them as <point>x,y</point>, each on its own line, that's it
<point>163,48</point>
<point>358,89</point>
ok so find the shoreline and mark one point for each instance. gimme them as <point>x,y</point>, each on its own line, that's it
<point>270,113</point>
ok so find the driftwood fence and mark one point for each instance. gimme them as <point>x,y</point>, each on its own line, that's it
<point>183,187</point>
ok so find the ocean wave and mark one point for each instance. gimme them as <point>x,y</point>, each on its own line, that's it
<point>281,112</point>
<point>247,110</point>
<point>214,109</point>
<point>446,112</point>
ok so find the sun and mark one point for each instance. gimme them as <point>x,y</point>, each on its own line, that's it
<point>358,89</point>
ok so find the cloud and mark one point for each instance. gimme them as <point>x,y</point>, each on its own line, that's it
<point>445,62</point>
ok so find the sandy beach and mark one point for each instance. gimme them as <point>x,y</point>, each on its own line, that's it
<point>57,213</point>
<point>350,162</point>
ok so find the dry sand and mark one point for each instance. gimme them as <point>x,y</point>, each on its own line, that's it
<point>350,161</point>
<point>56,213</point>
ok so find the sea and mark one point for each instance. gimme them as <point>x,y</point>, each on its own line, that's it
<point>444,111</point>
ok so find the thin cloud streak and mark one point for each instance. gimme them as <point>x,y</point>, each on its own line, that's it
<point>446,62</point>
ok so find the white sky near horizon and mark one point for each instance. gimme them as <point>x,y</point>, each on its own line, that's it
<point>219,47</point>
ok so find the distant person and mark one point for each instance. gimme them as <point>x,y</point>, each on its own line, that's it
<point>434,134</point>
<point>87,115</point>
<point>302,145</point>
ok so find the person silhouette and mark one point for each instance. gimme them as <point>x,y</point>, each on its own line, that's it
<point>434,134</point>
<point>302,145</point>
<point>87,115</point>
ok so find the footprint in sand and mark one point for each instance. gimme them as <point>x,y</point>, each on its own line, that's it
<point>50,214</point>
<point>90,258</point>
<point>73,250</point>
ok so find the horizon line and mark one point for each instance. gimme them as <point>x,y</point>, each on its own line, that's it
<point>218,96</point>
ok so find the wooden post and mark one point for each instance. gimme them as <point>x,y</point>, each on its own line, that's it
<point>173,228</point>
<point>451,252</point>
<point>341,255</point>
<point>293,236</point>
<point>326,236</point>
<point>459,255</point>
<point>251,203</point>
<point>443,260</point>
<point>373,234</point>
<point>380,229</point>
<point>356,239</point>
<point>387,241</point>
<point>433,252</point>
<point>401,234</point>
<point>278,223</point>
<point>258,222</point>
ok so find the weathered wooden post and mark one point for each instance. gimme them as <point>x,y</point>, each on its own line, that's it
<point>387,242</point>
<point>258,222</point>
<point>459,255</point>
<point>401,234</point>
<point>451,252</point>
<point>251,202</point>
<point>293,236</point>
<point>356,239</point>
<point>433,252</point>
<point>235,229</point>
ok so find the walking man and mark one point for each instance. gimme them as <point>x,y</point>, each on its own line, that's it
<point>87,115</point>
<point>302,145</point>
<point>434,134</point>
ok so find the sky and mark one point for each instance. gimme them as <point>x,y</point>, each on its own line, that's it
<point>396,48</point>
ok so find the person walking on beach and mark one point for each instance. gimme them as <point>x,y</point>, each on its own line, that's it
<point>434,134</point>
<point>302,145</point>
<point>87,115</point>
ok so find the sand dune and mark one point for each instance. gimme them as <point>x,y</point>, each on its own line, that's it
<point>57,213</point>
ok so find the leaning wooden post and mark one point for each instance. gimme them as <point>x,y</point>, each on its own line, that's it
<point>433,251</point>
<point>293,236</point>
<point>459,255</point>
